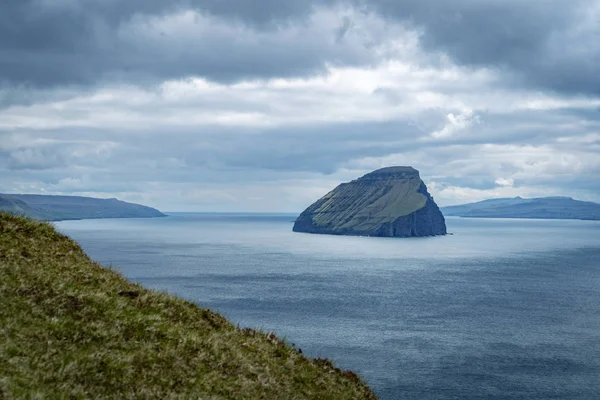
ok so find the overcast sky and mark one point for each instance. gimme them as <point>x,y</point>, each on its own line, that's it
<point>265,105</point>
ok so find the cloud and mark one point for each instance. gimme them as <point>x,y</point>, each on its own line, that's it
<point>456,123</point>
<point>47,44</point>
<point>199,105</point>
<point>504,182</point>
<point>551,45</point>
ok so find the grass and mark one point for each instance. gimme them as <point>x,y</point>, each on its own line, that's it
<point>364,208</point>
<point>70,328</point>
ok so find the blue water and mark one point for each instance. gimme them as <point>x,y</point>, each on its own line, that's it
<point>501,309</point>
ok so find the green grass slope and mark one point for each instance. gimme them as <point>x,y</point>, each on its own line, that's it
<point>364,207</point>
<point>70,328</point>
<point>391,201</point>
<point>368,202</point>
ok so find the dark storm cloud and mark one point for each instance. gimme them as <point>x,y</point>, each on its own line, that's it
<point>84,106</point>
<point>45,43</point>
<point>552,44</point>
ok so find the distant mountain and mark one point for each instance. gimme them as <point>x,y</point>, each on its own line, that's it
<point>542,207</point>
<point>391,202</point>
<point>15,206</point>
<point>56,208</point>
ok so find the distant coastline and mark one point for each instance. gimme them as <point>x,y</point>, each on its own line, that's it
<point>67,208</point>
<point>536,208</point>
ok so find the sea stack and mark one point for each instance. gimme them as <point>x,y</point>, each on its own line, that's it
<point>388,202</point>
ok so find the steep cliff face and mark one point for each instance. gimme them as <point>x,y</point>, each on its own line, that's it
<point>390,202</point>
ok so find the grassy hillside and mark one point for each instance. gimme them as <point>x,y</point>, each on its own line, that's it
<point>368,202</point>
<point>391,201</point>
<point>364,207</point>
<point>70,328</point>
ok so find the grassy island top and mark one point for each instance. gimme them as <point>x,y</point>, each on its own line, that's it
<point>70,328</point>
<point>365,204</point>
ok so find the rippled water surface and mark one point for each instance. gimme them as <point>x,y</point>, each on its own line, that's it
<point>501,309</point>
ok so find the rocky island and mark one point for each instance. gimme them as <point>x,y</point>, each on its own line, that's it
<point>388,202</point>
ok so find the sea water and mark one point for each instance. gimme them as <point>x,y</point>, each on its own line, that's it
<point>500,309</point>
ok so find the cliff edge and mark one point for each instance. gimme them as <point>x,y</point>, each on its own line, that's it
<point>72,329</point>
<point>388,202</point>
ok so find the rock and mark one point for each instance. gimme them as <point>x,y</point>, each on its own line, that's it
<point>388,202</point>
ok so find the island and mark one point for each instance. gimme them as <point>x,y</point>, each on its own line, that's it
<point>388,202</point>
<point>74,329</point>
<point>518,207</point>
<point>58,208</point>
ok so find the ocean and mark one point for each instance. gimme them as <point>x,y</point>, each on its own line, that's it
<point>500,309</point>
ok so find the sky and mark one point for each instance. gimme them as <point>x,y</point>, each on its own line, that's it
<point>265,106</point>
